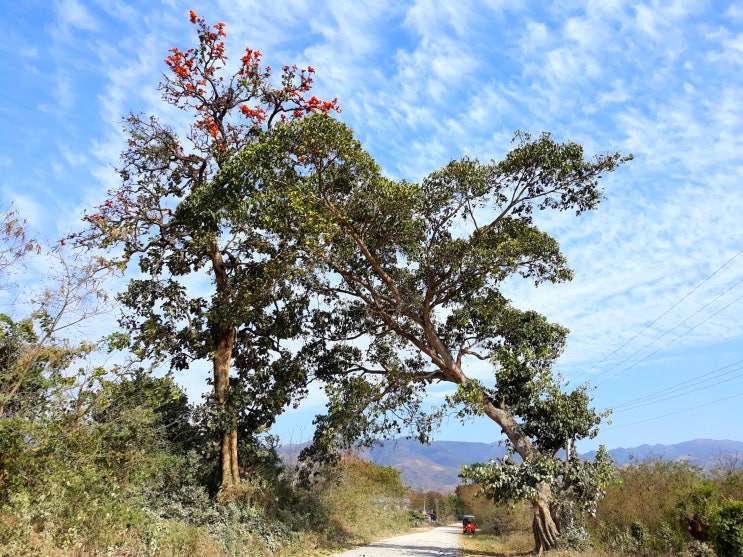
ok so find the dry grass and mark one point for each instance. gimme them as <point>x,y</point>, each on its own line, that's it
<point>514,545</point>
<point>488,545</point>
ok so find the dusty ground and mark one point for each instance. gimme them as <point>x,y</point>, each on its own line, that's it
<point>439,542</point>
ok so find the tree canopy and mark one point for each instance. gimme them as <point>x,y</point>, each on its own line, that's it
<point>170,219</point>
<point>408,279</point>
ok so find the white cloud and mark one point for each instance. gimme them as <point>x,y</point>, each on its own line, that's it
<point>535,37</point>
<point>29,208</point>
<point>735,11</point>
<point>619,92</point>
<point>72,14</point>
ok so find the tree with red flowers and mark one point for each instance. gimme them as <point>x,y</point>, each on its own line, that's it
<point>170,218</point>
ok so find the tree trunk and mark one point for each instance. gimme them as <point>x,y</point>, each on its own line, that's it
<point>543,526</point>
<point>222,357</point>
<point>230,471</point>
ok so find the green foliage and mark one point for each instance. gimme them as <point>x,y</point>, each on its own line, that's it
<point>728,475</point>
<point>413,270</point>
<point>658,507</point>
<point>504,481</point>
<point>408,277</point>
<point>131,476</point>
<point>359,500</point>
<point>727,529</point>
<point>580,481</point>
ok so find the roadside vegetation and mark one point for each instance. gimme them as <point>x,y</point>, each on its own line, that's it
<point>322,272</point>
<point>654,508</point>
<point>133,476</point>
<point>109,459</point>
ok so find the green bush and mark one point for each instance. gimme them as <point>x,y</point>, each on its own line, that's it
<point>727,529</point>
<point>656,507</point>
<point>358,500</point>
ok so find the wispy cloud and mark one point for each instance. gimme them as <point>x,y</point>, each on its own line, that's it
<point>73,15</point>
<point>423,82</point>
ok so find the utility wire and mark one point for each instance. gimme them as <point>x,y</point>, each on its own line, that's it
<point>697,287</point>
<point>675,413</point>
<point>711,375</point>
<point>667,332</point>
<point>674,339</point>
<point>688,391</point>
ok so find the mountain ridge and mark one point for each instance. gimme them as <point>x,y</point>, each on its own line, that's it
<point>435,467</point>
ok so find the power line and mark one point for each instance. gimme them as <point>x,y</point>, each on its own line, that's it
<point>688,391</point>
<point>697,287</point>
<point>711,375</point>
<point>675,413</point>
<point>669,331</point>
<point>675,338</point>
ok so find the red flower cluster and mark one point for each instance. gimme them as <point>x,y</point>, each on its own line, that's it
<point>315,105</point>
<point>258,113</point>
<point>181,63</point>
<point>196,81</point>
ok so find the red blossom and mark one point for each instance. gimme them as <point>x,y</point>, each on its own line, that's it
<point>198,82</point>
<point>258,113</point>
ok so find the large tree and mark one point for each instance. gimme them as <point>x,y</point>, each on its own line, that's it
<point>170,219</point>
<point>409,279</point>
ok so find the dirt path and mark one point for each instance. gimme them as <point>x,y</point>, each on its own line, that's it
<point>439,542</point>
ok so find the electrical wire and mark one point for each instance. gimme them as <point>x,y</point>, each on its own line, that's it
<point>697,287</point>
<point>705,306</point>
<point>674,339</point>
<point>684,385</point>
<point>688,391</point>
<point>674,413</point>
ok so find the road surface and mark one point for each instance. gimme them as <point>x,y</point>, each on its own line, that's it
<point>439,542</point>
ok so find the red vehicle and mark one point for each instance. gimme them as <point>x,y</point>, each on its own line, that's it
<point>468,524</point>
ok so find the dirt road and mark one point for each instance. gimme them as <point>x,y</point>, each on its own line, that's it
<point>439,542</point>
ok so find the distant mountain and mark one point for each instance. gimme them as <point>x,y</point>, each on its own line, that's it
<point>435,467</point>
<point>706,453</point>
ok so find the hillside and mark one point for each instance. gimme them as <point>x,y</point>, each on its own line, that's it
<point>706,453</point>
<point>435,467</point>
<point>432,467</point>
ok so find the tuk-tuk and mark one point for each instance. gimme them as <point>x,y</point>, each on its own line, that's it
<point>468,524</point>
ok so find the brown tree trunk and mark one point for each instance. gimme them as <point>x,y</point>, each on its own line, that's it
<point>543,526</point>
<point>222,357</point>
<point>230,471</point>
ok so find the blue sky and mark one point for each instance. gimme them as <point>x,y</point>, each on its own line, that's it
<point>655,308</point>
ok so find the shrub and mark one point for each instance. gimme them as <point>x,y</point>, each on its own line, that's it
<point>499,518</point>
<point>359,500</point>
<point>656,507</point>
<point>727,529</point>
